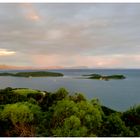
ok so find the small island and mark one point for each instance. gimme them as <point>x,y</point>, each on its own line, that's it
<point>33,74</point>
<point>105,77</point>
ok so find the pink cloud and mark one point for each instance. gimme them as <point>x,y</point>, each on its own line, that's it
<point>77,60</point>
<point>30,12</point>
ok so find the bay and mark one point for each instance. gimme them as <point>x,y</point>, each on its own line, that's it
<point>116,94</point>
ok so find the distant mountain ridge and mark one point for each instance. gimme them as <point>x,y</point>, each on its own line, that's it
<point>77,67</point>
<point>3,67</point>
<point>11,67</point>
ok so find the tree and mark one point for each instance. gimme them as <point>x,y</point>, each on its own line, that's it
<point>61,93</point>
<point>23,117</point>
<point>90,116</point>
<point>132,116</point>
<point>114,127</point>
<point>63,109</point>
<point>7,96</point>
<point>77,97</point>
<point>71,128</point>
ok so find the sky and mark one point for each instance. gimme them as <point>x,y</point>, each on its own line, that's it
<point>70,35</point>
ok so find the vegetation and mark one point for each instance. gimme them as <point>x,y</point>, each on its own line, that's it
<point>25,91</point>
<point>32,74</point>
<point>104,77</point>
<point>31,113</point>
<point>6,74</point>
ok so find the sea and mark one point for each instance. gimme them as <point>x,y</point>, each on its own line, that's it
<point>119,95</point>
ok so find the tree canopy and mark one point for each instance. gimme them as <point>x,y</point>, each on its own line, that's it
<point>60,114</point>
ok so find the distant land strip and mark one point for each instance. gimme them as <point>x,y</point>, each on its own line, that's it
<point>33,74</point>
<point>105,77</point>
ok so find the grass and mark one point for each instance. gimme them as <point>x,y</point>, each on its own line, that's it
<point>25,91</point>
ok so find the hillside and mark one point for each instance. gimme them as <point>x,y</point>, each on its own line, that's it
<point>34,113</point>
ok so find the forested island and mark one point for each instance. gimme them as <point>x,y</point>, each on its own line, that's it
<point>105,77</point>
<point>34,113</point>
<point>33,74</point>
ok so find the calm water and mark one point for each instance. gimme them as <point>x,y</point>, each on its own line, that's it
<point>117,94</point>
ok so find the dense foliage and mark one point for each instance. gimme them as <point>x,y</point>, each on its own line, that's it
<point>26,112</point>
<point>32,74</point>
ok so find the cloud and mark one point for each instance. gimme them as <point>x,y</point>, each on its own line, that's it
<point>30,12</point>
<point>5,52</point>
<point>97,35</point>
<point>100,61</point>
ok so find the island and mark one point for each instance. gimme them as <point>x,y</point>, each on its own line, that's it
<point>33,74</point>
<point>105,77</point>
